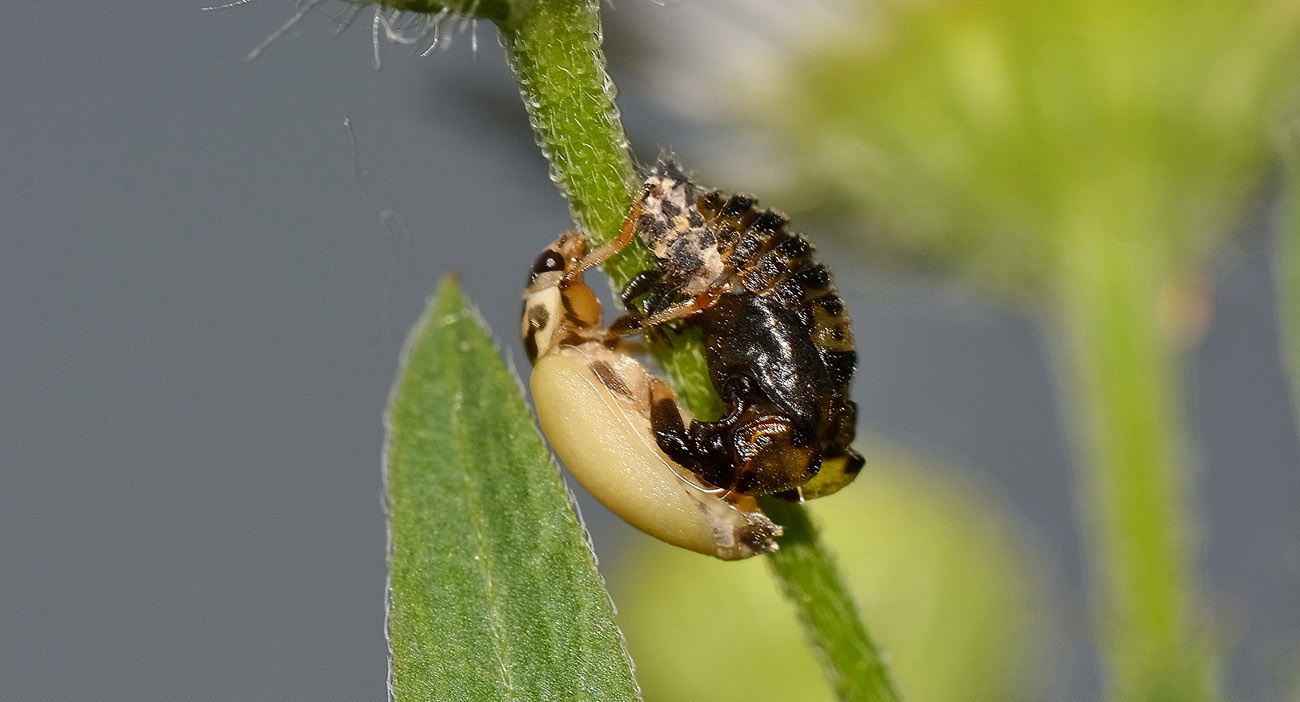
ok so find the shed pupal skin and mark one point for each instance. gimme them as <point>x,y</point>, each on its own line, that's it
<point>594,402</point>
<point>778,340</point>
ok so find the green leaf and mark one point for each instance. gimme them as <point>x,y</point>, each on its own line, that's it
<point>494,591</point>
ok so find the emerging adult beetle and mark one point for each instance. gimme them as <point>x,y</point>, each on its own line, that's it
<point>594,403</point>
<point>778,340</point>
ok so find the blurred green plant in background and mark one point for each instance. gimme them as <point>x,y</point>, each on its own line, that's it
<point>1087,158</point>
<point>949,583</point>
<point>984,135</point>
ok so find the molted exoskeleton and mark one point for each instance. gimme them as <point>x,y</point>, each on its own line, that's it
<point>778,340</point>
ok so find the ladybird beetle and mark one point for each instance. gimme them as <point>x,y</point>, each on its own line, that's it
<point>594,403</point>
<point>778,340</point>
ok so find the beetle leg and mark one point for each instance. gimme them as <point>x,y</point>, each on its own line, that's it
<point>604,253</point>
<point>698,303</point>
<point>640,284</point>
<point>627,325</point>
<point>630,324</point>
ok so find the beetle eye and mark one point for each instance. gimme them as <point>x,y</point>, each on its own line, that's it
<point>548,262</point>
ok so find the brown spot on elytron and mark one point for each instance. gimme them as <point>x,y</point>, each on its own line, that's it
<point>535,319</point>
<point>538,316</point>
<point>609,378</point>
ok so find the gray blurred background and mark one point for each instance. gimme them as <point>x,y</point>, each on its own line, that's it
<point>205,280</point>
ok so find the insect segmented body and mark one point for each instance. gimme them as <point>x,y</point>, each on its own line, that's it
<point>594,403</point>
<point>778,339</point>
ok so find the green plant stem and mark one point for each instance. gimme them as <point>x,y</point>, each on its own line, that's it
<point>812,582</point>
<point>554,49</point>
<point>1122,366</point>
